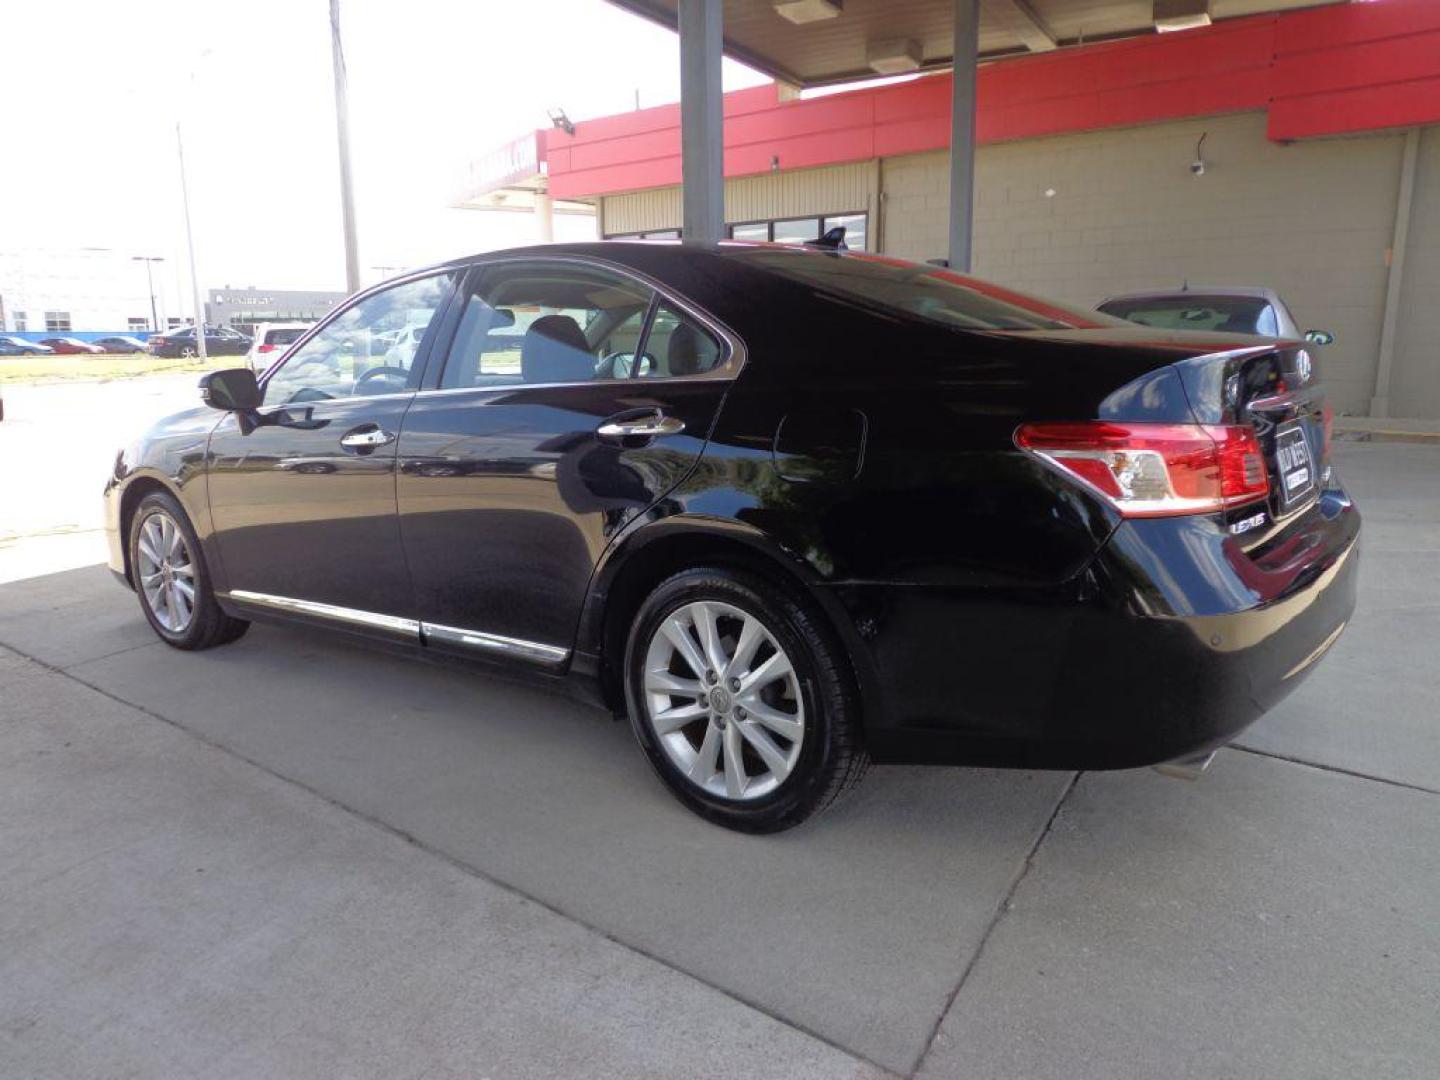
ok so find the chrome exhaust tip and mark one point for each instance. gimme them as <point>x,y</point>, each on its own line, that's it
<point>1185,768</point>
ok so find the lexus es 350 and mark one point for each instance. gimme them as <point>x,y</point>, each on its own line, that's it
<point>790,510</point>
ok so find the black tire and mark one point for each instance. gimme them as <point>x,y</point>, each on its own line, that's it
<point>208,626</point>
<point>831,756</point>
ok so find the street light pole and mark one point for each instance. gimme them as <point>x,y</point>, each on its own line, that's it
<point>190,244</point>
<point>150,284</point>
<point>342,131</point>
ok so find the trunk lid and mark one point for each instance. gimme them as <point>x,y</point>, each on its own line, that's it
<point>1275,389</point>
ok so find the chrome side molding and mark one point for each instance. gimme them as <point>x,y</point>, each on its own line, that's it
<point>406,627</point>
<point>421,633</point>
<point>494,643</point>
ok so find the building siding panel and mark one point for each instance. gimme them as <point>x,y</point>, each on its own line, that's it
<point>1312,220</point>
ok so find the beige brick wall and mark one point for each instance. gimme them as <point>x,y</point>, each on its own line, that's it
<point>1312,220</point>
<point>1415,371</point>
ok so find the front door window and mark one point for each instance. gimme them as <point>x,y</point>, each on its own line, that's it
<point>369,348</point>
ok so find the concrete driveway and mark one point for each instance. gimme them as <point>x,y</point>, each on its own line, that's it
<point>299,857</point>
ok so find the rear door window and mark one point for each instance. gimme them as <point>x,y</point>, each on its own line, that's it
<point>529,323</point>
<point>678,346</point>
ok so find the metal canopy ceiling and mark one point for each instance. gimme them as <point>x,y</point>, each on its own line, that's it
<point>833,50</point>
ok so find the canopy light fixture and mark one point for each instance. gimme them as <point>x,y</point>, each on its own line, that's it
<point>1171,15</point>
<point>894,57</point>
<point>801,12</point>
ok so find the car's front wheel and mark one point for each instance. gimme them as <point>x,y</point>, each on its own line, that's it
<point>742,701</point>
<point>171,580</point>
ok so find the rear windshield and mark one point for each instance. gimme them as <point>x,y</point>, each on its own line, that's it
<point>927,292</point>
<point>284,337</point>
<point>1228,314</point>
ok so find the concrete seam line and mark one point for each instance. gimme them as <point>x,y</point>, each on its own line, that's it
<point>459,864</point>
<point>1318,767</point>
<point>1001,910</point>
<point>92,659</point>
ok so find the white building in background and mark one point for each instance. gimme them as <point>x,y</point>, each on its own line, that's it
<point>85,289</point>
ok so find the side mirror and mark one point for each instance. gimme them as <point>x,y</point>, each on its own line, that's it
<point>1319,337</point>
<point>233,390</point>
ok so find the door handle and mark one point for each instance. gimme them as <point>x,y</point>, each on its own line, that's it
<point>650,426</point>
<point>366,440</point>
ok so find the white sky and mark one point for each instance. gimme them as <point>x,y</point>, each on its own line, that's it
<point>93,89</point>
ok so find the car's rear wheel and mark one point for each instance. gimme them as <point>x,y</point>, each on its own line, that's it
<point>187,351</point>
<point>741,700</point>
<point>171,580</point>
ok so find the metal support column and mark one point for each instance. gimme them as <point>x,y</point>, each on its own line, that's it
<point>1380,401</point>
<point>701,117</point>
<point>544,217</point>
<point>962,131</point>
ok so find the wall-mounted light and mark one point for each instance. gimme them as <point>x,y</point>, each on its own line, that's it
<point>894,57</point>
<point>560,120</point>
<point>801,12</point>
<point>1197,167</point>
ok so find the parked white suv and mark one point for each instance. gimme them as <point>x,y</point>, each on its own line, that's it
<point>271,341</point>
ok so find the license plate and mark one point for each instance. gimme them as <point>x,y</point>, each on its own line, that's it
<point>1297,470</point>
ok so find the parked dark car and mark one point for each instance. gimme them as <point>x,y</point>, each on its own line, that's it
<point>14,346</point>
<point>789,510</point>
<point>1228,310</point>
<point>219,341</point>
<point>120,344</point>
<point>69,346</point>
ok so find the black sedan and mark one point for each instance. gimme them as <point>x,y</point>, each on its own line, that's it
<point>789,510</point>
<point>219,341</point>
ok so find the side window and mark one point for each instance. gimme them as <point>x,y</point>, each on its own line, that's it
<point>368,349</point>
<point>678,345</point>
<point>546,323</point>
<point>1268,324</point>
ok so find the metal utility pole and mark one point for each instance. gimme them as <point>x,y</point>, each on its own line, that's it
<point>190,244</point>
<point>150,284</point>
<point>342,130</point>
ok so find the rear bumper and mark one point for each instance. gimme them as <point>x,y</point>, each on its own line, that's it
<point>1173,641</point>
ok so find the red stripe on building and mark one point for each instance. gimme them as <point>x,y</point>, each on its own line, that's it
<point>1325,71</point>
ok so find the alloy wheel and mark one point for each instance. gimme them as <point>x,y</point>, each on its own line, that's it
<point>187,351</point>
<point>166,572</point>
<point>723,700</point>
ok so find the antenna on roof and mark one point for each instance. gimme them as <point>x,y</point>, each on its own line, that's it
<point>833,240</point>
<point>1185,285</point>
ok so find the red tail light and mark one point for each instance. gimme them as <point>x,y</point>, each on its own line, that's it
<point>1155,470</point>
<point>266,348</point>
<point>1328,414</point>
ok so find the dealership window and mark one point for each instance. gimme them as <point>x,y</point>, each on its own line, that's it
<point>57,321</point>
<point>20,323</point>
<point>781,230</point>
<point>137,323</point>
<point>801,230</point>
<point>172,322</point>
